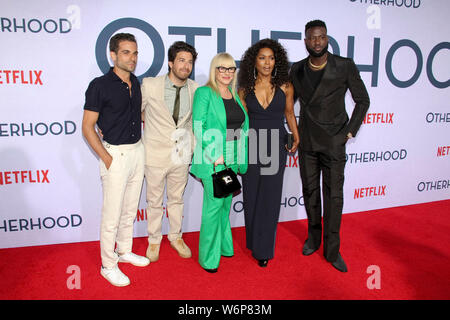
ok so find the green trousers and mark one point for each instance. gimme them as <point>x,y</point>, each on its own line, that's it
<point>215,230</point>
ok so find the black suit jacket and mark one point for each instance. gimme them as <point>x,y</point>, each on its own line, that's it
<point>324,123</point>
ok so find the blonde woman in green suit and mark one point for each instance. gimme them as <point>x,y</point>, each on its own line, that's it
<point>220,125</point>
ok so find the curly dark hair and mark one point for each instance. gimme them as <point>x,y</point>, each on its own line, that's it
<point>246,76</point>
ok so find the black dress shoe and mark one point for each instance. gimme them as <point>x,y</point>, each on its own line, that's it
<point>307,250</point>
<point>211,270</point>
<point>263,263</point>
<point>340,264</point>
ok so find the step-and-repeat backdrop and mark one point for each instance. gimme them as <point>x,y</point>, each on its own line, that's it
<point>50,190</point>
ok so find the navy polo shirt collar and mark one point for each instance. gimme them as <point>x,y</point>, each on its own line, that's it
<point>113,76</point>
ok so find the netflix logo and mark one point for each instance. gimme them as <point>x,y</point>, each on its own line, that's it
<point>369,192</point>
<point>30,77</point>
<point>142,214</point>
<point>292,162</point>
<point>24,176</point>
<point>384,118</point>
<point>443,151</point>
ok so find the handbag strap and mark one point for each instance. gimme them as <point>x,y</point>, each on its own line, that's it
<point>214,167</point>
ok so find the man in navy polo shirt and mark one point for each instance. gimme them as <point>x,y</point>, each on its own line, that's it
<point>113,103</point>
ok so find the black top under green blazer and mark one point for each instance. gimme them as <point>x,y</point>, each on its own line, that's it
<point>210,127</point>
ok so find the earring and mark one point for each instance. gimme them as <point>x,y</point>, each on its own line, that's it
<point>254,73</point>
<point>275,74</point>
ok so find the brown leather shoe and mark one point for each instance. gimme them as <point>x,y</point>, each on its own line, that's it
<point>181,247</point>
<point>153,252</point>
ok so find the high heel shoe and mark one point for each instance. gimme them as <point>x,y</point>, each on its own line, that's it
<point>263,263</point>
<point>210,270</point>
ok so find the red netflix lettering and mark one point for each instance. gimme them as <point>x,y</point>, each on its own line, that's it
<point>45,178</point>
<point>292,162</point>
<point>386,118</point>
<point>7,181</point>
<point>15,174</point>
<point>443,151</point>
<point>31,178</point>
<point>24,176</point>
<point>7,72</point>
<point>141,215</point>
<point>15,75</point>
<point>38,77</point>
<point>22,78</point>
<point>30,77</point>
<point>369,192</point>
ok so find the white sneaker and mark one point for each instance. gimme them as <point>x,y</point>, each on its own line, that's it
<point>134,259</point>
<point>115,276</point>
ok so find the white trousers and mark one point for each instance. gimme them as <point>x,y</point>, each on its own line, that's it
<point>174,179</point>
<point>122,186</point>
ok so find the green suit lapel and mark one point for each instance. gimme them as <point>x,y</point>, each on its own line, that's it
<point>219,112</point>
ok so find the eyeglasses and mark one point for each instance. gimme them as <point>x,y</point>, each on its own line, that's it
<point>224,69</point>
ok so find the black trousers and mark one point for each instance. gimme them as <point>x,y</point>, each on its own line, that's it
<point>331,168</point>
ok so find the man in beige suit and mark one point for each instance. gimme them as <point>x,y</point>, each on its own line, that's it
<point>168,142</point>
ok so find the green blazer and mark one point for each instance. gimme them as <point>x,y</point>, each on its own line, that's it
<point>209,123</point>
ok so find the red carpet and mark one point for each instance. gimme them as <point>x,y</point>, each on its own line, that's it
<point>409,244</point>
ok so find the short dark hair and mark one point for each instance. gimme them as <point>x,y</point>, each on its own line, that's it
<point>179,46</point>
<point>117,38</point>
<point>315,23</point>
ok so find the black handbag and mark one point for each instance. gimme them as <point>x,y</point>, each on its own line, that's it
<point>225,182</point>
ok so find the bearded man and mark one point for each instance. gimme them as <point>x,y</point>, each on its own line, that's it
<point>168,141</point>
<point>320,83</point>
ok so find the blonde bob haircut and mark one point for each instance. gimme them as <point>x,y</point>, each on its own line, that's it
<point>222,59</point>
